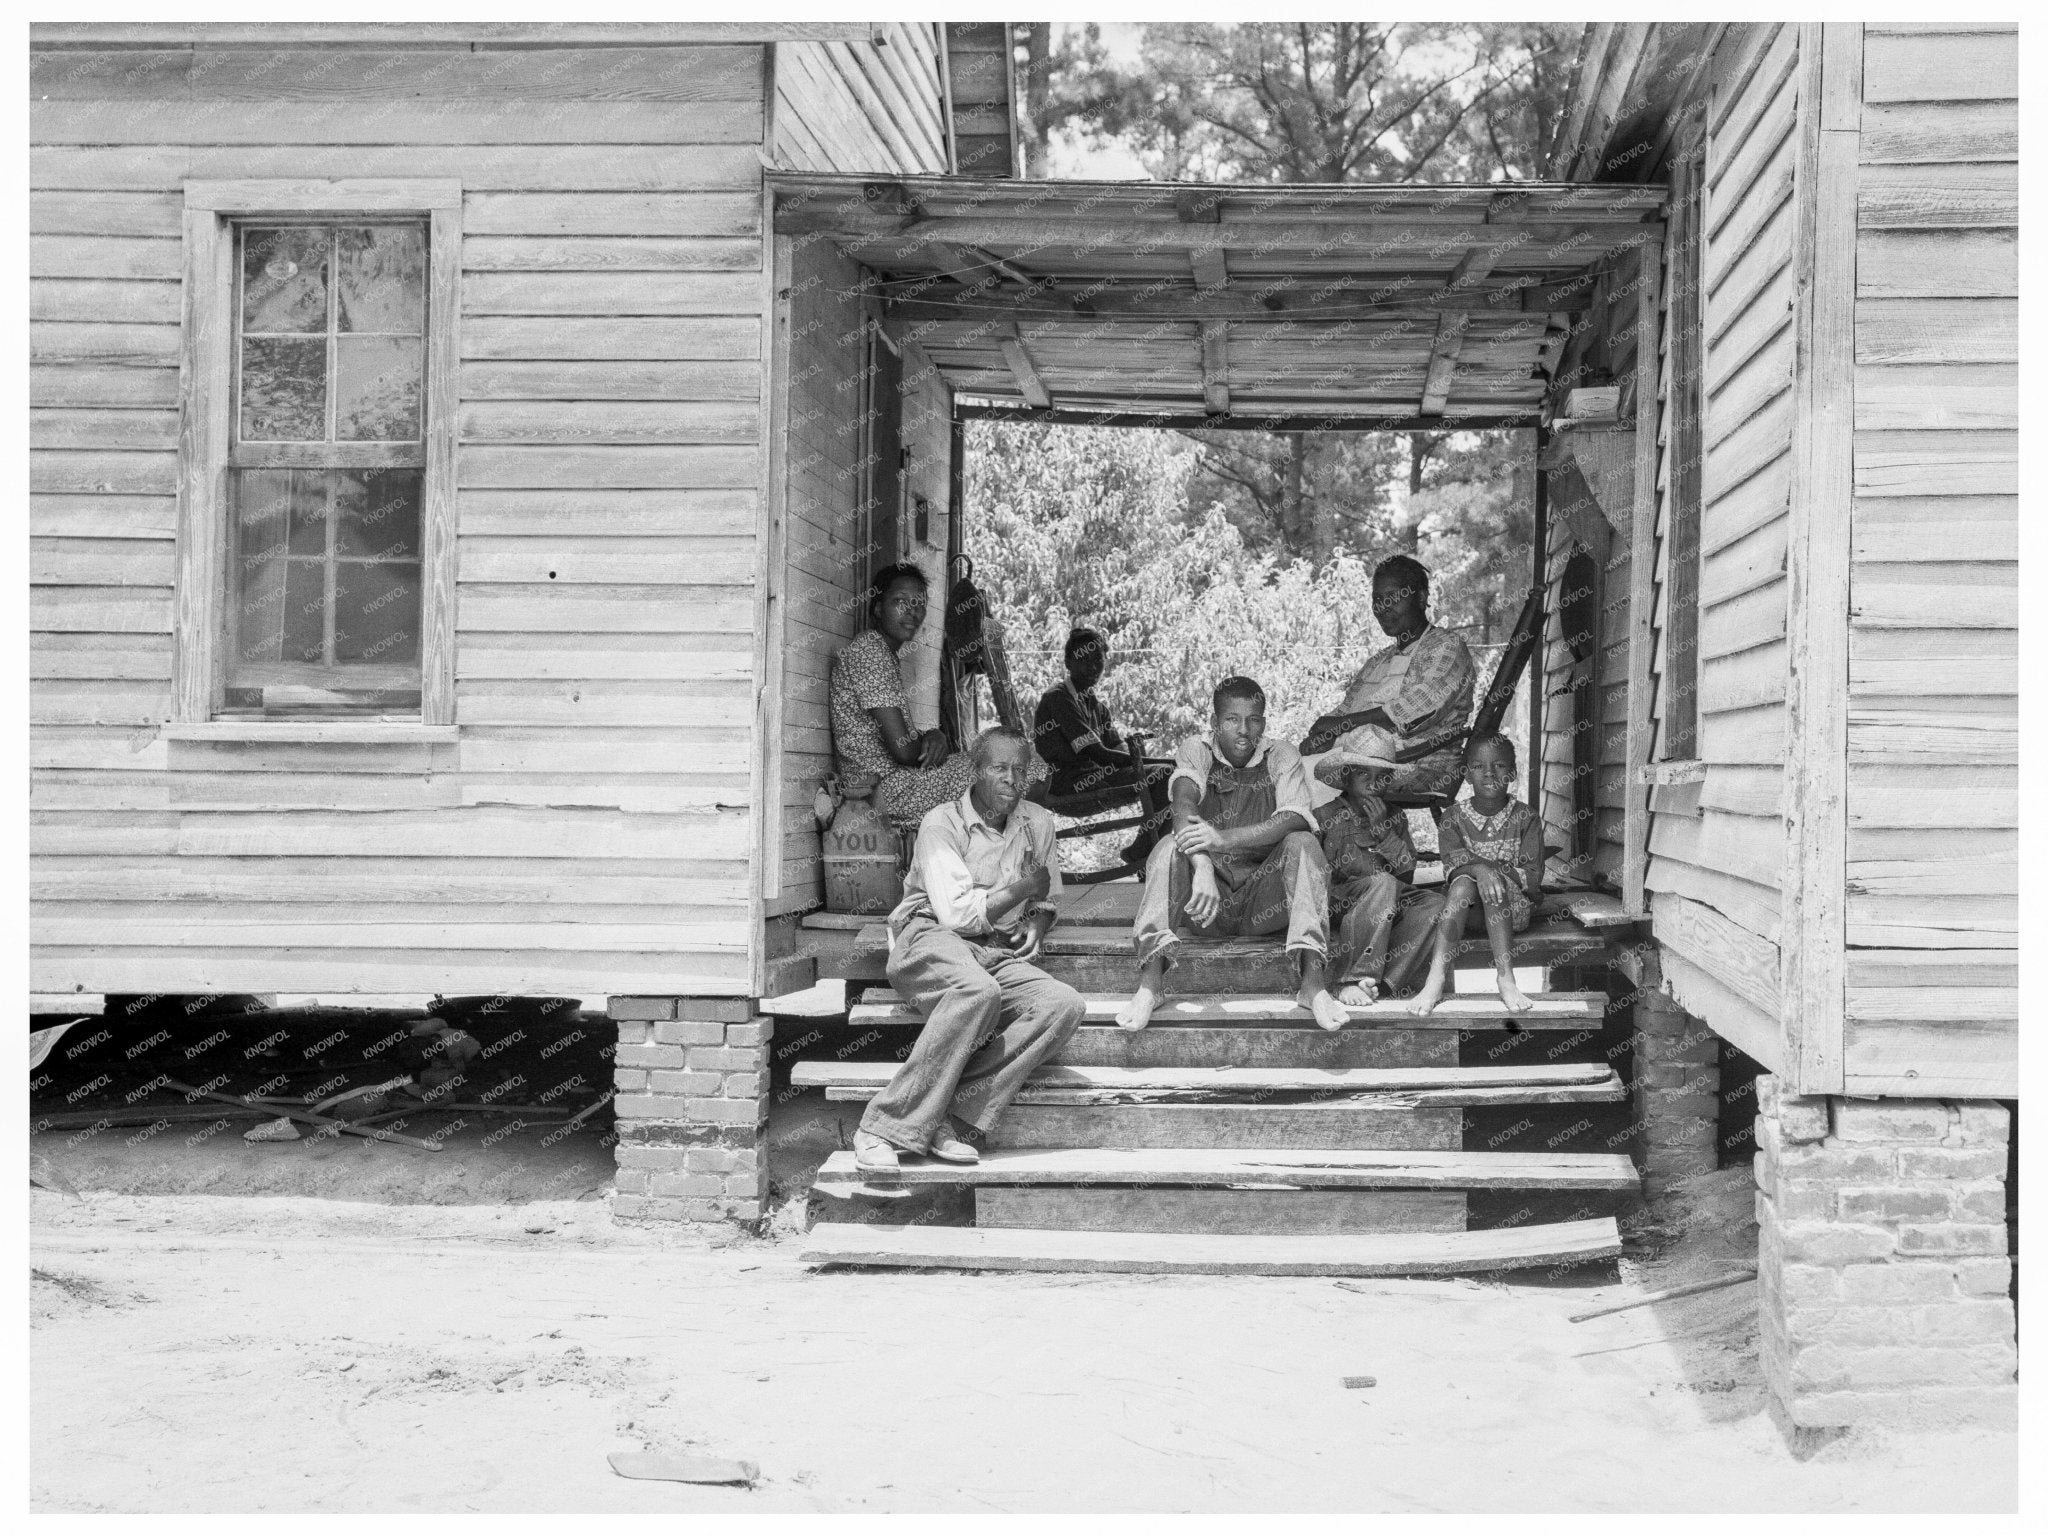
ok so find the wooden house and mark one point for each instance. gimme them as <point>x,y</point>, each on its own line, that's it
<point>1796,729</point>
<point>459,449</point>
<point>451,340</point>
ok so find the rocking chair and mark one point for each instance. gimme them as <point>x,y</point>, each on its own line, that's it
<point>1089,803</point>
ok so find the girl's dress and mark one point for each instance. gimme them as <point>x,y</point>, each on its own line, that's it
<point>1466,835</point>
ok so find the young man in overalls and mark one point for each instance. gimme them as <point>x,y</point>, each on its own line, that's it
<point>1243,858</point>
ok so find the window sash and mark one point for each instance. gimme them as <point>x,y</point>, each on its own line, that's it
<point>209,449</point>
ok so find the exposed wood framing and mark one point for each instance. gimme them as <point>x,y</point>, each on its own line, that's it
<point>437,549</point>
<point>1450,331</point>
<point>925,299</point>
<point>1019,358</point>
<point>1817,558</point>
<point>1635,813</point>
<point>1212,277</point>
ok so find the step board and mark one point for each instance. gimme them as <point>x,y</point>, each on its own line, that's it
<point>1400,1087</point>
<point>1297,1212</point>
<point>1226,1045</point>
<point>884,1009</point>
<point>1185,1253</point>
<point>1225,1167</point>
<point>1353,1126</point>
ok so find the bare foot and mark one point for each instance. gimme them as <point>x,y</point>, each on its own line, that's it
<point>1359,994</point>
<point>1512,996</point>
<point>1426,1000</point>
<point>1137,1013</point>
<point>1328,1011</point>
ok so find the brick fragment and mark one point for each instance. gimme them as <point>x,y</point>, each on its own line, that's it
<point>649,1056</point>
<point>628,1079</point>
<point>724,1111</point>
<point>693,1083</point>
<point>745,1085</point>
<point>690,1032</point>
<point>753,1032</point>
<point>688,1186</point>
<point>1897,1284</point>
<point>1951,1237</point>
<point>1949,1163</point>
<point>637,1008</point>
<point>1982,1124</point>
<point>1894,1204</point>
<point>631,1181</point>
<point>653,1159</point>
<point>1979,1203</point>
<point>720,1010</point>
<point>744,1210</point>
<point>1976,1320</point>
<point>719,1059</point>
<point>1803,1119</point>
<point>712,1159</point>
<point>1984,1277</point>
<point>631,1033</point>
<point>1891,1120</point>
<point>651,1106</point>
<point>1833,1242</point>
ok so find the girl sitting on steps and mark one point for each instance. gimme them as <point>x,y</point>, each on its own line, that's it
<point>1492,848</point>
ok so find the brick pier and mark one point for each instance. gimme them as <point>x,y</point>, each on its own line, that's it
<point>1884,1277</point>
<point>691,1075</point>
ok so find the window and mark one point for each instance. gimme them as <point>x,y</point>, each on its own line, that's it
<point>317,492</point>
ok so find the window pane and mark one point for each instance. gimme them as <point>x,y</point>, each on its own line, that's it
<point>284,280</point>
<point>305,611</point>
<point>378,515</point>
<point>376,613</point>
<point>259,611</point>
<point>383,279</point>
<point>377,389</point>
<point>284,391</point>
<point>262,515</point>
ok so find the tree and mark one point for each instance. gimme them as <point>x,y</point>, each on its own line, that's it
<point>1315,102</point>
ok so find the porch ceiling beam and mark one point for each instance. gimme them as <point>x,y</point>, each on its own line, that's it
<point>1396,418</point>
<point>1432,239</point>
<point>925,300</point>
<point>1450,333</point>
<point>965,258</point>
<point>1025,371</point>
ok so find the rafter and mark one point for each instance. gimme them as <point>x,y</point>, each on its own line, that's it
<point>1023,368</point>
<point>1450,332</point>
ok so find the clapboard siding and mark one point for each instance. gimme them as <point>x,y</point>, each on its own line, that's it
<point>857,107</point>
<point>826,562</point>
<point>1933,776</point>
<point>1717,863</point>
<point>588,831</point>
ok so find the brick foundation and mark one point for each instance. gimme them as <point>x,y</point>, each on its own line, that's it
<point>1883,1275</point>
<point>691,1076</point>
<point>1677,1094</point>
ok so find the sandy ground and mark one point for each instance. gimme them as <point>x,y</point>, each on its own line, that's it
<point>209,1353</point>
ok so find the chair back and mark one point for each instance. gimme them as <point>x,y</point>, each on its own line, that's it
<point>1507,673</point>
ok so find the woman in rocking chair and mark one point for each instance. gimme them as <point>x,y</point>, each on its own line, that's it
<point>1074,734</point>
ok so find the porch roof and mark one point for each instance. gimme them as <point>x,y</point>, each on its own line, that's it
<point>1390,306</point>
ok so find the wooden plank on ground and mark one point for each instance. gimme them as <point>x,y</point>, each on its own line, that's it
<point>1313,1168</point>
<point>1392,1253</point>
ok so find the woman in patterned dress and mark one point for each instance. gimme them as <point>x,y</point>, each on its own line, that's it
<point>1492,847</point>
<point>909,771</point>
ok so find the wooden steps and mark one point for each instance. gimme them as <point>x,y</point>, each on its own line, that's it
<point>1397,1087</point>
<point>1205,1253</point>
<point>1217,1167</point>
<point>883,1009</point>
<point>1234,1136</point>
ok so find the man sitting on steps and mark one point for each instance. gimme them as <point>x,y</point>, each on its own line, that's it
<point>962,941</point>
<point>1243,858</point>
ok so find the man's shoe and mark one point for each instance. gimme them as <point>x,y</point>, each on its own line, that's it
<point>948,1148</point>
<point>871,1154</point>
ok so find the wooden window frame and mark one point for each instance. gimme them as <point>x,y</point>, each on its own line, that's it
<point>206,401</point>
<point>1680,694</point>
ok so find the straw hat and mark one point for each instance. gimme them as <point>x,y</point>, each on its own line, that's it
<point>1368,746</point>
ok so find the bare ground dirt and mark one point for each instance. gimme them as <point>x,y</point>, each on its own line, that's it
<point>247,1353</point>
